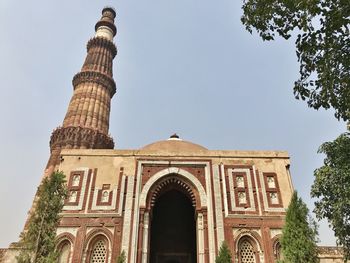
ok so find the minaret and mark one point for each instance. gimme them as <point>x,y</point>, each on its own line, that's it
<point>86,123</point>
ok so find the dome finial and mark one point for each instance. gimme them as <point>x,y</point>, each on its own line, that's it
<point>175,136</point>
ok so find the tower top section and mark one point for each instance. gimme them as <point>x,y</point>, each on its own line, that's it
<point>105,27</point>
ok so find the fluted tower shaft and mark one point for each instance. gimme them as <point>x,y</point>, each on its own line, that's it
<point>86,123</point>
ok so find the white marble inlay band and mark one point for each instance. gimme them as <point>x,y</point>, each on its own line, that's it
<point>200,238</point>
<point>224,189</point>
<point>145,238</point>
<point>218,207</point>
<point>121,195</point>
<point>210,215</point>
<point>127,216</point>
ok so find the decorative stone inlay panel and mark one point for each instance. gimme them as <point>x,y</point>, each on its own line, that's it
<point>274,198</point>
<point>99,252</point>
<point>108,198</point>
<point>104,199</point>
<point>272,195</point>
<point>240,181</point>
<point>238,190</point>
<point>75,180</point>
<point>271,182</point>
<point>242,199</point>
<point>73,196</point>
<point>77,196</point>
<point>246,252</point>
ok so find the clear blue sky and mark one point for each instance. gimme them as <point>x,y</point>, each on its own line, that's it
<point>183,66</point>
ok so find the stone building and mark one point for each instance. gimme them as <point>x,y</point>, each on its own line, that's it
<point>169,201</point>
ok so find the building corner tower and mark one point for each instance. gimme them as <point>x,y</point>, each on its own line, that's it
<point>86,123</point>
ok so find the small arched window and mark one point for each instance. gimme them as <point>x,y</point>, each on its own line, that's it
<point>246,252</point>
<point>99,251</point>
<point>277,251</point>
<point>64,252</point>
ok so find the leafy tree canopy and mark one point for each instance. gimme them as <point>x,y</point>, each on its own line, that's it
<point>322,45</point>
<point>121,258</point>
<point>299,234</point>
<point>38,239</point>
<point>224,255</point>
<point>332,188</point>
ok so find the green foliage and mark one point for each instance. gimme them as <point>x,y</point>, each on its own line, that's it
<point>299,234</point>
<point>121,258</point>
<point>224,255</point>
<point>322,45</point>
<point>332,188</point>
<point>38,239</point>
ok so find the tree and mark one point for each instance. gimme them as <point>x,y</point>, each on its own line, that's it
<point>121,258</point>
<point>322,45</point>
<point>38,239</point>
<point>332,189</point>
<point>224,255</point>
<point>299,234</point>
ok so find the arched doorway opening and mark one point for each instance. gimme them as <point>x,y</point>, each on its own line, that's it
<point>173,228</point>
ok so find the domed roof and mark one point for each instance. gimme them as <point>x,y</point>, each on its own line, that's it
<point>174,144</point>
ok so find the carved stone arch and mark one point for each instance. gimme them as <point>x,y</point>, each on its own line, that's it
<point>172,182</point>
<point>253,235</point>
<point>276,247</point>
<point>64,241</point>
<point>93,237</point>
<point>254,240</point>
<point>189,182</point>
<point>65,237</point>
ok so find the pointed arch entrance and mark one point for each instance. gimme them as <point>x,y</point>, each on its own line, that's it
<point>172,219</point>
<point>173,226</point>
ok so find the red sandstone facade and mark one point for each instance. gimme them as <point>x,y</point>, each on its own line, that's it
<point>234,196</point>
<point>170,201</point>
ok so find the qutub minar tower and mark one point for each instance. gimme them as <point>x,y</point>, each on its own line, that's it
<point>86,123</point>
<point>171,201</point>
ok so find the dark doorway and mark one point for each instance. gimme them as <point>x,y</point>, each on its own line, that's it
<point>173,229</point>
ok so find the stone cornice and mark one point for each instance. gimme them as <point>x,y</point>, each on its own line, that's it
<point>79,138</point>
<point>95,77</point>
<point>102,42</point>
<point>210,154</point>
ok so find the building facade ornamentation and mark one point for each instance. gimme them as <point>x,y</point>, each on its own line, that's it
<point>171,201</point>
